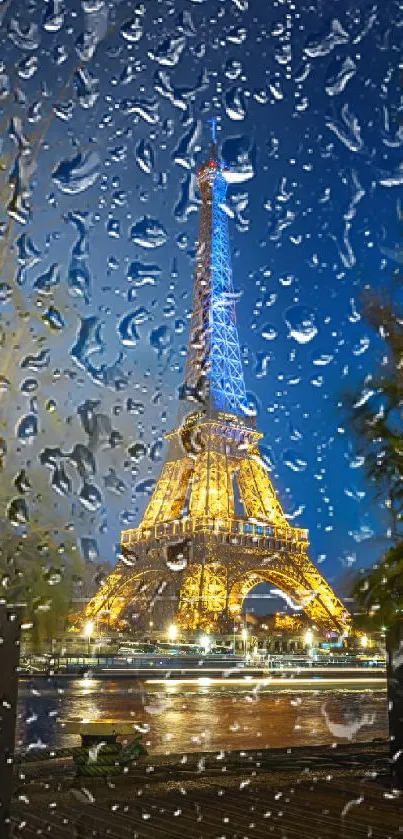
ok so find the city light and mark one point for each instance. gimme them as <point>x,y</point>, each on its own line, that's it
<point>89,629</point>
<point>309,637</point>
<point>244,634</point>
<point>364,641</point>
<point>205,642</point>
<point>172,632</point>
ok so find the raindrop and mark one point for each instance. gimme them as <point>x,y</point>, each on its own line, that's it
<point>145,156</point>
<point>127,326</point>
<point>87,88</point>
<point>347,129</point>
<point>36,362</point>
<point>54,576</point>
<point>27,67</point>
<point>90,497</point>
<point>27,428</point>
<point>61,483</point>
<point>47,281</point>
<point>113,483</point>
<point>169,51</point>
<point>301,324</point>
<point>5,292</point>
<point>160,339</point>
<point>141,273</point>
<point>235,103</point>
<point>4,85</point>
<point>148,233</point>
<point>53,319</point>
<point>239,157</point>
<point>178,564</point>
<point>322,360</point>
<point>21,482</point>
<point>339,74</point>
<point>90,550</point>
<point>17,512</point>
<point>137,451</point>
<point>83,459</point>
<point>294,461</point>
<point>233,69</point>
<point>145,487</point>
<point>132,30</point>
<point>24,37</point>
<point>54,16</point>
<point>324,44</point>
<point>269,332</point>
<point>156,451</point>
<point>78,173</point>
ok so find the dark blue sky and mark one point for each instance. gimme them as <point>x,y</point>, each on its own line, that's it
<point>109,106</point>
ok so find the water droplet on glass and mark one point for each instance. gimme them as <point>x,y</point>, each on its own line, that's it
<point>148,233</point>
<point>301,324</point>
<point>294,461</point>
<point>78,173</point>
<point>17,512</point>
<point>90,497</point>
<point>27,428</point>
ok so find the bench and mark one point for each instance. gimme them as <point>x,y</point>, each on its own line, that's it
<point>100,753</point>
<point>94,732</point>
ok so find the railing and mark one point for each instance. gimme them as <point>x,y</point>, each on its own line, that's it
<point>234,527</point>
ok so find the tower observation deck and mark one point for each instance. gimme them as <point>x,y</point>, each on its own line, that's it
<point>194,557</point>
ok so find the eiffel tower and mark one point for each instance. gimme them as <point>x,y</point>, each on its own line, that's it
<point>214,527</point>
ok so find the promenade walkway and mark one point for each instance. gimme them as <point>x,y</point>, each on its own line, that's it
<point>319,793</point>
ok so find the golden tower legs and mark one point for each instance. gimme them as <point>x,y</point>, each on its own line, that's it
<point>197,565</point>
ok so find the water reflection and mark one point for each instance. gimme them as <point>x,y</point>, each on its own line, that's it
<point>185,717</point>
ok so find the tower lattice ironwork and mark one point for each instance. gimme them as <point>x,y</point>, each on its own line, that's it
<point>214,527</point>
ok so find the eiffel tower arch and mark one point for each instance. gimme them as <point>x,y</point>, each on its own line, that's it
<point>213,526</point>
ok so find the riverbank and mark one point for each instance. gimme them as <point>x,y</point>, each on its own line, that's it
<point>317,792</point>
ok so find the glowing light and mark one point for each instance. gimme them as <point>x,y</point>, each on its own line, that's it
<point>89,628</point>
<point>364,641</point>
<point>205,642</point>
<point>244,634</point>
<point>172,632</point>
<point>309,637</point>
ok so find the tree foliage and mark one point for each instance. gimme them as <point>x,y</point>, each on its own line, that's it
<point>42,573</point>
<point>376,418</point>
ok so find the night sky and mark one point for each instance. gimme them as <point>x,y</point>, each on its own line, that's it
<point>104,113</point>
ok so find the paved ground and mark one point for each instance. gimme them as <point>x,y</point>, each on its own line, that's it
<point>317,794</point>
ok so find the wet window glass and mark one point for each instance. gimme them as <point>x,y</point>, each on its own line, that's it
<point>201,357</point>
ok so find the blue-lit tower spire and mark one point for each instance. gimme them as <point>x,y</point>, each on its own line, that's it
<point>213,373</point>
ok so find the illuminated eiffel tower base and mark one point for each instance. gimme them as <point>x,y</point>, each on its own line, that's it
<point>213,528</point>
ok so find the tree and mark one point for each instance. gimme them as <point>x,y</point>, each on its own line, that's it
<point>41,572</point>
<point>376,417</point>
<point>377,420</point>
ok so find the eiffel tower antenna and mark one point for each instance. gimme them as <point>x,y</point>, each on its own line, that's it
<point>213,126</point>
<point>195,555</point>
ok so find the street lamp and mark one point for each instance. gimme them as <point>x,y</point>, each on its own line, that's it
<point>172,632</point>
<point>88,630</point>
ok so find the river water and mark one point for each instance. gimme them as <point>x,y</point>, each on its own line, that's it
<point>179,717</point>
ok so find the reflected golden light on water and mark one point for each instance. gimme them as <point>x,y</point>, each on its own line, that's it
<point>316,682</point>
